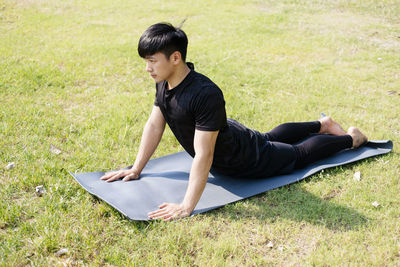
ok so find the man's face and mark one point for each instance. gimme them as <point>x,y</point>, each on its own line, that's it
<point>159,67</point>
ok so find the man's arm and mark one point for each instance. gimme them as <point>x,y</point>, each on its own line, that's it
<point>152,133</point>
<point>204,145</point>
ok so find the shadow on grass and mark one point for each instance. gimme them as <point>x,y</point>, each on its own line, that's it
<point>290,202</point>
<point>296,204</point>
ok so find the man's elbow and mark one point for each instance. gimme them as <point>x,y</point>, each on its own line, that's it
<point>155,127</point>
<point>206,156</point>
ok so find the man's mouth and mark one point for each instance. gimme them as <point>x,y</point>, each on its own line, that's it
<point>153,75</point>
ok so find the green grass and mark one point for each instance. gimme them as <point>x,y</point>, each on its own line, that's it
<point>70,77</point>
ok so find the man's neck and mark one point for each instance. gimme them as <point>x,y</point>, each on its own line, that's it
<point>177,77</point>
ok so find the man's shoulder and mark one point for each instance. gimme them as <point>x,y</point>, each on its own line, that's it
<point>205,85</point>
<point>203,80</point>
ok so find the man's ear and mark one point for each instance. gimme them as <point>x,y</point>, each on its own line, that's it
<point>176,57</point>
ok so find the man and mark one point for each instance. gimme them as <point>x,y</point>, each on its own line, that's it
<point>194,108</point>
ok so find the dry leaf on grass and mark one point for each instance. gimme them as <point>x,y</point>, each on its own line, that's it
<point>357,176</point>
<point>10,166</point>
<point>54,149</point>
<point>61,252</point>
<point>375,204</point>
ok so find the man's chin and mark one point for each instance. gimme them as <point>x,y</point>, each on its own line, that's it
<point>156,79</point>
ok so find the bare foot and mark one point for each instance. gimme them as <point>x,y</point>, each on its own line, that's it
<point>329,126</point>
<point>358,137</point>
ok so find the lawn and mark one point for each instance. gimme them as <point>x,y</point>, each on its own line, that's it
<point>74,96</point>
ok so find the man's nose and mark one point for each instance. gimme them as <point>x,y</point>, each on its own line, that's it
<point>148,67</point>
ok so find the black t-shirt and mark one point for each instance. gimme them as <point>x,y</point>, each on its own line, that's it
<point>198,103</point>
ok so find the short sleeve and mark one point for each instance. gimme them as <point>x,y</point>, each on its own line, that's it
<point>157,95</point>
<point>209,110</point>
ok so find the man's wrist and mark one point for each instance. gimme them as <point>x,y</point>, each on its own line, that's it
<point>136,170</point>
<point>188,209</point>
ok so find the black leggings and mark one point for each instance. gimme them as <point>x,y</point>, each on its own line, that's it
<point>314,147</point>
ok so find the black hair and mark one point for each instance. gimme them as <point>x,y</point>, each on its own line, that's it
<point>164,38</point>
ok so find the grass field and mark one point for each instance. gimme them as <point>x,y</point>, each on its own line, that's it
<point>70,78</point>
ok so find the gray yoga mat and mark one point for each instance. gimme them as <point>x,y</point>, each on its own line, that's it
<point>165,180</point>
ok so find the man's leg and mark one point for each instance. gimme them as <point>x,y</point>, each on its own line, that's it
<point>294,132</point>
<point>324,145</point>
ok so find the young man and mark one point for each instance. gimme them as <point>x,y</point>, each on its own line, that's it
<point>194,108</point>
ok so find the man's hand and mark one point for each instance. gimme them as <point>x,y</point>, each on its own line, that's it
<point>169,211</point>
<point>152,133</point>
<point>130,174</point>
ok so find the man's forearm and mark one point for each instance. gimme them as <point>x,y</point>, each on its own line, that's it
<point>150,139</point>
<point>204,144</point>
<point>198,178</point>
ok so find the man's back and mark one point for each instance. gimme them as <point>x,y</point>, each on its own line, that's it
<point>198,103</point>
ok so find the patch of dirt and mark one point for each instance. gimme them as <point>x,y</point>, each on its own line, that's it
<point>303,246</point>
<point>352,25</point>
<point>271,8</point>
<point>29,3</point>
<point>47,6</point>
<point>333,193</point>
